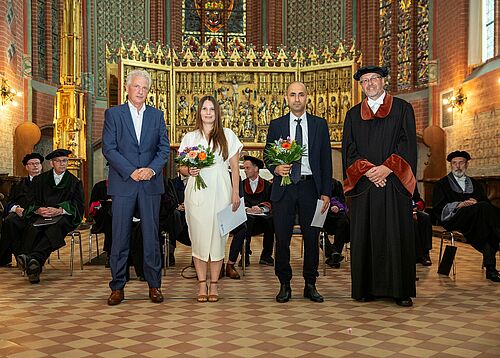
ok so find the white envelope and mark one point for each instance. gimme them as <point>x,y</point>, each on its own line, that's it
<point>228,220</point>
<point>319,219</point>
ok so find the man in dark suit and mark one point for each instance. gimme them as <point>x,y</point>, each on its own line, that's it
<point>14,224</point>
<point>311,180</point>
<point>135,143</point>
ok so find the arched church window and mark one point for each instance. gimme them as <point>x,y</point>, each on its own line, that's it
<point>213,21</point>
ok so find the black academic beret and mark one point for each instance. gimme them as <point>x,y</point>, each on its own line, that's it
<point>32,156</point>
<point>58,153</point>
<point>382,71</point>
<point>256,161</point>
<point>458,153</point>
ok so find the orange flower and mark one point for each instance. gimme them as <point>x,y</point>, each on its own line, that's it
<point>202,156</point>
<point>286,145</point>
<point>192,154</point>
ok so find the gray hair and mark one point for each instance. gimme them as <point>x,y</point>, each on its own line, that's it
<point>138,73</point>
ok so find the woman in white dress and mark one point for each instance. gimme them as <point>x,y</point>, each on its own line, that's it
<point>202,205</point>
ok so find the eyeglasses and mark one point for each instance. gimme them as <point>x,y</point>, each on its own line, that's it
<point>34,164</point>
<point>60,161</point>
<point>368,80</point>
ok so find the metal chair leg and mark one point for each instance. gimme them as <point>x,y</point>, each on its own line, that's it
<point>244,256</point>
<point>71,253</point>
<point>81,249</point>
<point>322,235</point>
<point>90,246</point>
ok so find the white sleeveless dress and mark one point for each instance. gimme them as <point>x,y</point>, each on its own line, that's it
<point>202,205</point>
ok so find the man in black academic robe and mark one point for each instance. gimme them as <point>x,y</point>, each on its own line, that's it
<point>461,204</point>
<point>56,208</point>
<point>13,223</point>
<point>379,161</point>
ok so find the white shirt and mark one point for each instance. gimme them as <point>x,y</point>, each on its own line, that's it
<point>375,104</point>
<point>305,167</point>
<point>137,119</point>
<point>460,181</point>
<point>58,177</point>
<point>253,184</point>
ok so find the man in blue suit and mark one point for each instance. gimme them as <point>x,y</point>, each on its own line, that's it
<point>311,180</point>
<point>135,143</point>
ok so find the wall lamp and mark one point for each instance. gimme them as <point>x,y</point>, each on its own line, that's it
<point>7,93</point>
<point>456,101</point>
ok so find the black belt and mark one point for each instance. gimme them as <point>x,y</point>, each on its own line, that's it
<point>305,177</point>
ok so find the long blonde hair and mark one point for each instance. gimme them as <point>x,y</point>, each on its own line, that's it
<point>216,136</point>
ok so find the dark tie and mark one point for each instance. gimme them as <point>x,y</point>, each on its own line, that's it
<point>295,175</point>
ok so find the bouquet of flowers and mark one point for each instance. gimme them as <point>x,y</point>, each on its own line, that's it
<point>285,151</point>
<point>196,157</point>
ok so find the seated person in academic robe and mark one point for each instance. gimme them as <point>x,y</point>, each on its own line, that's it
<point>336,223</point>
<point>56,208</point>
<point>173,215</point>
<point>461,204</point>
<point>257,192</point>
<point>13,224</point>
<point>100,211</point>
<point>423,230</point>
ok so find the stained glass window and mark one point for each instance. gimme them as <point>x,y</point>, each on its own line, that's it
<point>404,24</point>
<point>41,32</point>
<point>55,41</point>
<point>204,21</point>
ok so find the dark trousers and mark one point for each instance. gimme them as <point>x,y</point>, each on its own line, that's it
<point>423,234</point>
<point>301,197</point>
<point>239,234</point>
<point>124,208</point>
<point>338,225</point>
<point>40,241</point>
<point>257,225</point>
<point>10,239</point>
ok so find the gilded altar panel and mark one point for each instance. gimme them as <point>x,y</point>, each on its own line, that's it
<point>249,85</point>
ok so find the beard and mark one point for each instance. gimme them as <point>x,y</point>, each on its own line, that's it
<point>458,173</point>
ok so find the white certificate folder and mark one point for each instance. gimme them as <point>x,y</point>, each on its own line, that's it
<point>228,220</point>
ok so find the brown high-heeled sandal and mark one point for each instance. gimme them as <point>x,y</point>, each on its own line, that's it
<point>202,298</point>
<point>213,298</point>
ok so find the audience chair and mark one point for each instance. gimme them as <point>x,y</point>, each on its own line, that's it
<point>166,251</point>
<point>96,244</point>
<point>75,236</point>
<point>323,236</point>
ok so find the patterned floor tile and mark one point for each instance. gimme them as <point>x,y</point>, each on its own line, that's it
<point>67,316</point>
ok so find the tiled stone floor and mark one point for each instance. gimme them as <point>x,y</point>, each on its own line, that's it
<point>67,316</point>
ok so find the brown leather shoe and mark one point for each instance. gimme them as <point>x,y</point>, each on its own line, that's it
<point>231,272</point>
<point>116,297</point>
<point>155,295</point>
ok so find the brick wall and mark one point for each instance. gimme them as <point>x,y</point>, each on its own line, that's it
<point>11,116</point>
<point>477,128</point>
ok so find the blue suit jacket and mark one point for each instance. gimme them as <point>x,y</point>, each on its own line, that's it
<point>319,153</point>
<point>124,153</point>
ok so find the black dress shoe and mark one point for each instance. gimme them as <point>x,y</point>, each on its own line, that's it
<point>367,298</point>
<point>22,261</point>
<point>33,270</point>
<point>285,293</point>
<point>311,293</point>
<point>269,261</point>
<point>425,260</point>
<point>493,275</point>
<point>404,302</point>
